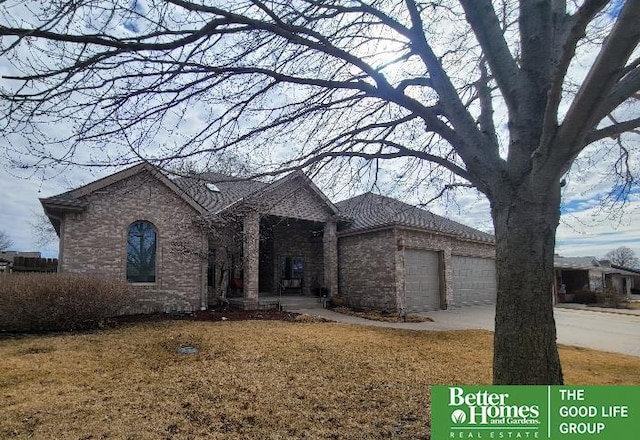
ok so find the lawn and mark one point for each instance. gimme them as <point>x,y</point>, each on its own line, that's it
<point>250,379</point>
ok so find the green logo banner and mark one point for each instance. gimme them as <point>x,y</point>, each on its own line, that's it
<point>535,412</point>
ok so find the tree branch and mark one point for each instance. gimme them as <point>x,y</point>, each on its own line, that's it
<point>623,90</point>
<point>612,131</point>
<point>601,79</point>
<point>486,27</point>
<point>570,33</point>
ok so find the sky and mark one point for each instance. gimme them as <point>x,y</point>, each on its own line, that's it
<point>586,229</point>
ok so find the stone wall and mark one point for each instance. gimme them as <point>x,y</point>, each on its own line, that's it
<point>94,242</point>
<point>367,269</point>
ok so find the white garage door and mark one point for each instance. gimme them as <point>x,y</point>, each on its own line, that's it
<point>474,280</point>
<point>422,280</point>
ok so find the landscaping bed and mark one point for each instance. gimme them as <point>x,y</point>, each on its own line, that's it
<point>377,315</point>
<point>213,314</point>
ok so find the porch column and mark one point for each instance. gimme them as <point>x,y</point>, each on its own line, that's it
<point>330,254</point>
<point>250,249</point>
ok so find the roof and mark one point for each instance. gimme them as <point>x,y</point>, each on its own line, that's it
<point>232,189</point>
<point>364,212</point>
<point>589,263</point>
<point>584,263</point>
<point>73,200</point>
<point>372,211</point>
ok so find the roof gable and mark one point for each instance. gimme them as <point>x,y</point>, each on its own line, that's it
<point>73,199</point>
<point>277,198</point>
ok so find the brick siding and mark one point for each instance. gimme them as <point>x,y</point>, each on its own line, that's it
<point>94,242</point>
<point>367,270</point>
<point>372,270</point>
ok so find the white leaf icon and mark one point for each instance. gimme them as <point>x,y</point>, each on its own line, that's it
<point>458,416</point>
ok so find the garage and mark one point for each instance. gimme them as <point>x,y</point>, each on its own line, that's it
<point>422,280</point>
<point>474,280</point>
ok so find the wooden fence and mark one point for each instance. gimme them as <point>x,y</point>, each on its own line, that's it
<point>29,264</point>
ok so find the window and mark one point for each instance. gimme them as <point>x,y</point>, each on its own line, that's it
<point>291,267</point>
<point>141,253</point>
<point>212,187</point>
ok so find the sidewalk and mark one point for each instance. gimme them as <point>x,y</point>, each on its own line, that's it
<point>598,309</point>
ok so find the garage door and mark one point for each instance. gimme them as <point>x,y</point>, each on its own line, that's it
<point>422,280</point>
<point>474,280</point>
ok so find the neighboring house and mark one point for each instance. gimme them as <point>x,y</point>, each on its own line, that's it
<point>185,243</point>
<point>634,285</point>
<point>581,274</point>
<point>7,259</point>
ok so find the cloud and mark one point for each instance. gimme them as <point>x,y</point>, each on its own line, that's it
<point>595,232</point>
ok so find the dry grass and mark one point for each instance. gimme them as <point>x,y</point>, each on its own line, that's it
<point>634,305</point>
<point>253,379</point>
<point>377,315</point>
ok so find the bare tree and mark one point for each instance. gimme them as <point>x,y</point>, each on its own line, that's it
<point>5,241</point>
<point>623,256</point>
<point>42,230</point>
<point>461,92</point>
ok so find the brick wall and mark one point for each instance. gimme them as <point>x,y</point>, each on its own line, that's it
<point>94,242</point>
<point>372,269</point>
<point>367,269</point>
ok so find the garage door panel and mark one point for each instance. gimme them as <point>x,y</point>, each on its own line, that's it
<point>422,280</point>
<point>474,280</point>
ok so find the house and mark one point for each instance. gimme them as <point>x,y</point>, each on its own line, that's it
<point>634,274</point>
<point>588,274</point>
<point>7,259</point>
<point>185,243</point>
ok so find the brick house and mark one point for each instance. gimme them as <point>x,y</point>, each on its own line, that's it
<point>184,243</point>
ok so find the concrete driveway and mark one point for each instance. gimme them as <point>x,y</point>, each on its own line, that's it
<point>583,328</point>
<point>619,333</point>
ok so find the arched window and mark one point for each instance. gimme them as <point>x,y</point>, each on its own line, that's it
<point>141,253</point>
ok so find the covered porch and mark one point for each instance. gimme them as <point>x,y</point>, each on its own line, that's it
<point>275,261</point>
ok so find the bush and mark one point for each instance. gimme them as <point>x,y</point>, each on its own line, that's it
<point>584,297</point>
<point>611,298</point>
<point>41,302</point>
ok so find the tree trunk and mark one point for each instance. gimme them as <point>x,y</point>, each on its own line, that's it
<point>525,350</point>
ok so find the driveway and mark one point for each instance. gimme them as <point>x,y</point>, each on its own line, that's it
<point>583,328</point>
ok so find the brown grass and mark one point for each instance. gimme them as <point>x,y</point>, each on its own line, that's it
<point>253,379</point>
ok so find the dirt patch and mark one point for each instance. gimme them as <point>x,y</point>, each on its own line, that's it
<point>377,315</point>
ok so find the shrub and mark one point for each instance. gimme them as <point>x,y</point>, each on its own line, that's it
<point>611,298</point>
<point>584,297</point>
<point>41,302</point>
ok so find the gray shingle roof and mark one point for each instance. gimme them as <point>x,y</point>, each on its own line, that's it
<point>588,263</point>
<point>231,189</point>
<point>575,262</point>
<point>373,211</point>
